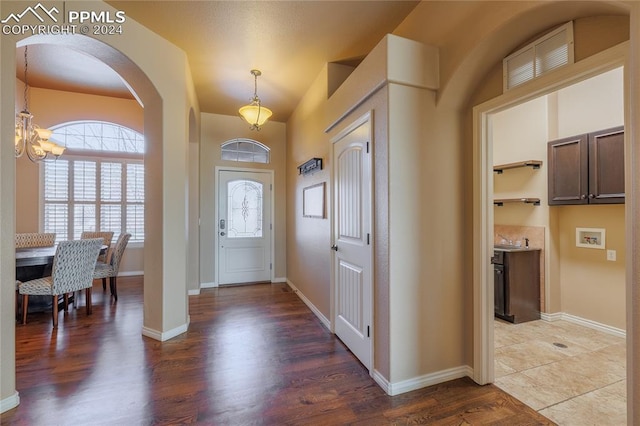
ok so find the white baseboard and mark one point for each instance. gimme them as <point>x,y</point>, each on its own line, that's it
<point>195,292</point>
<point>584,322</point>
<point>421,381</point>
<point>208,285</point>
<point>10,402</point>
<point>164,336</point>
<point>325,321</point>
<point>279,280</point>
<point>130,273</point>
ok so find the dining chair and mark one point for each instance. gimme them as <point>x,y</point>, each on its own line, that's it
<point>73,267</point>
<point>107,237</point>
<point>110,268</point>
<point>35,239</point>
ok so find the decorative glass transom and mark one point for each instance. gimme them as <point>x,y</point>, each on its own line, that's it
<point>98,136</point>
<point>244,208</point>
<point>245,150</point>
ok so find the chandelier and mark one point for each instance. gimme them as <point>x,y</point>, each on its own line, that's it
<point>254,113</point>
<point>29,137</point>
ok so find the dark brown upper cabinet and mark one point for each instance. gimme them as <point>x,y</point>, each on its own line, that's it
<point>587,169</point>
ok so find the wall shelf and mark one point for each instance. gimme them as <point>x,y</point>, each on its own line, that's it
<point>502,201</point>
<point>535,164</point>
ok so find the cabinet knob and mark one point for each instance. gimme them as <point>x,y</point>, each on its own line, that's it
<point>592,196</point>
<point>583,197</point>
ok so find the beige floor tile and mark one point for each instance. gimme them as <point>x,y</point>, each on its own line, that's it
<point>601,407</point>
<point>523,356</point>
<point>531,392</point>
<point>580,384</point>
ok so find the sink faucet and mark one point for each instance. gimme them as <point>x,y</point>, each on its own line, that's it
<point>505,239</point>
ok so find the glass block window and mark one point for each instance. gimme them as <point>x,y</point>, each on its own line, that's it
<point>245,150</point>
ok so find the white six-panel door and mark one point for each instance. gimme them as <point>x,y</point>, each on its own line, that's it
<point>352,239</point>
<point>244,226</point>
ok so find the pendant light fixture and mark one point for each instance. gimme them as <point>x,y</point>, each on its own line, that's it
<point>254,113</point>
<point>29,137</point>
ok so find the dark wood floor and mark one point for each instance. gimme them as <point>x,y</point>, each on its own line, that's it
<point>252,355</point>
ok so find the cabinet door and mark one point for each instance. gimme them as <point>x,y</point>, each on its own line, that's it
<point>568,170</point>
<point>606,166</point>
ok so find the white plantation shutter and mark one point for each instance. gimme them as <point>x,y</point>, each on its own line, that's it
<point>135,201</point>
<point>56,195</point>
<point>547,53</point>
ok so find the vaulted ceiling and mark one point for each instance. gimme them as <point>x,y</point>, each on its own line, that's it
<point>289,41</point>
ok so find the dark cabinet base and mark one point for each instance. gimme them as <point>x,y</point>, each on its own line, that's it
<point>517,286</point>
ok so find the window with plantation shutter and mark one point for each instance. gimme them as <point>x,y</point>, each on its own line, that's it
<point>94,192</point>
<point>549,52</point>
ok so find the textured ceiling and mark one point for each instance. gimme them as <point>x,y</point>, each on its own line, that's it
<point>289,41</point>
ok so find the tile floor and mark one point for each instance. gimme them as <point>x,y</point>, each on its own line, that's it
<point>571,374</point>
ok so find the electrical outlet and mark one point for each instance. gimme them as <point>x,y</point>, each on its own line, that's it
<point>611,255</point>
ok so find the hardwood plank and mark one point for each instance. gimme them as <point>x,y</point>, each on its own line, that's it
<point>252,355</point>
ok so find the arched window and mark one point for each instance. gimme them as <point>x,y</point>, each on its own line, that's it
<point>245,150</point>
<point>97,184</point>
<point>98,136</point>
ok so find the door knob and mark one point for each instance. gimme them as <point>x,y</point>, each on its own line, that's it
<point>222,234</point>
<point>334,247</point>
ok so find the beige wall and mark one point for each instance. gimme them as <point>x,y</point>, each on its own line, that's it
<point>168,94</point>
<point>217,129</point>
<point>50,108</point>
<point>522,133</point>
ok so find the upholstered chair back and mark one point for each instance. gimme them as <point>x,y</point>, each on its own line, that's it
<point>107,237</point>
<point>73,265</point>
<point>118,251</point>
<point>35,239</point>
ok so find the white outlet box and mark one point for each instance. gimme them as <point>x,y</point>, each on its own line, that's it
<point>611,255</point>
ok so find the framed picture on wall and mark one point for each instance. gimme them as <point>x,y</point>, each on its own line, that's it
<point>313,201</point>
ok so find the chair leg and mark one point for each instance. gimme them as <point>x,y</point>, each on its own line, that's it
<point>104,284</point>
<point>55,311</point>
<point>114,287</point>
<point>66,302</point>
<point>87,296</point>
<point>25,303</point>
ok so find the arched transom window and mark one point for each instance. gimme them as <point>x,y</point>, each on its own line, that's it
<point>245,150</point>
<point>98,136</point>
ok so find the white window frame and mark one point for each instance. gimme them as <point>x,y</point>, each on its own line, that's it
<point>254,144</point>
<point>99,157</point>
<point>124,160</point>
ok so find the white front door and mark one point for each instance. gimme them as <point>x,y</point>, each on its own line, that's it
<point>351,236</point>
<point>244,226</point>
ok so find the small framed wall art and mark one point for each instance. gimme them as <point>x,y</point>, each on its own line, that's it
<point>313,201</point>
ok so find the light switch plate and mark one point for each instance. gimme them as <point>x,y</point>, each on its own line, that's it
<point>611,255</point>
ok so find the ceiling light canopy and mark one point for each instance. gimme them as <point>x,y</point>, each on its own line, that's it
<point>254,113</point>
<point>29,137</point>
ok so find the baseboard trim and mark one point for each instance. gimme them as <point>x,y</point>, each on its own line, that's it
<point>420,382</point>
<point>556,316</point>
<point>279,280</point>
<point>195,292</point>
<point>208,285</point>
<point>130,273</point>
<point>164,336</point>
<point>324,320</point>
<point>10,402</point>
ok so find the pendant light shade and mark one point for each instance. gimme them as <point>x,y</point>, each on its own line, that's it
<point>254,113</point>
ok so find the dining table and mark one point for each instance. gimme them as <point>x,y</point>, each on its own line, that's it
<point>33,263</point>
